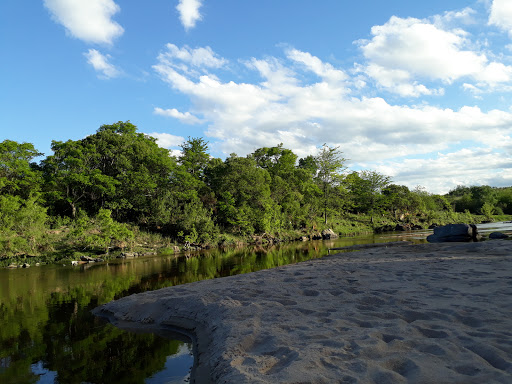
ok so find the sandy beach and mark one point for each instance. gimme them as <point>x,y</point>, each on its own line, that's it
<point>431,313</point>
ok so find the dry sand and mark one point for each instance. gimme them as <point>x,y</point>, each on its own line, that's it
<point>432,313</point>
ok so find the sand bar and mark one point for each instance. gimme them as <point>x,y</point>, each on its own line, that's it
<point>432,313</point>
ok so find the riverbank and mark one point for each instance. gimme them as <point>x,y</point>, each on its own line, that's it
<point>415,313</point>
<point>66,245</point>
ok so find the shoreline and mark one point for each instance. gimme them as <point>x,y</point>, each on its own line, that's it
<point>412,313</point>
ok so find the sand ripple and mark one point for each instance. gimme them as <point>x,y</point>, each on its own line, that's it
<point>433,313</point>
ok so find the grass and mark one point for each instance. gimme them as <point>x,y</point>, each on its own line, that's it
<point>59,245</point>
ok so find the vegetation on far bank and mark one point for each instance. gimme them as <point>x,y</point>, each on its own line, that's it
<point>117,191</point>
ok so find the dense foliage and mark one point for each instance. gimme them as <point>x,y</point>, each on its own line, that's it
<point>102,188</point>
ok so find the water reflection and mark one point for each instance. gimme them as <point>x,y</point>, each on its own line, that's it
<point>495,227</point>
<point>48,335</point>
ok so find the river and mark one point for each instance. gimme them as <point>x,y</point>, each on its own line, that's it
<point>47,334</point>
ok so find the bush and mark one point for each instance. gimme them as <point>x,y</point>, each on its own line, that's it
<point>22,226</point>
<point>102,232</point>
<point>487,210</point>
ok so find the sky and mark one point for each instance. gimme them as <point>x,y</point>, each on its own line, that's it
<point>418,91</point>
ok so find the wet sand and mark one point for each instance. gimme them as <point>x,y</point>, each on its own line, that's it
<point>432,313</point>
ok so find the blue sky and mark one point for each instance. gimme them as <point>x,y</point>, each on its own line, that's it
<point>419,91</point>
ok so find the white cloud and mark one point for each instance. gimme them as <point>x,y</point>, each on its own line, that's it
<point>198,58</point>
<point>186,117</point>
<point>324,70</point>
<point>474,166</point>
<point>168,141</point>
<point>399,80</point>
<point>404,51</point>
<point>464,16</point>
<point>501,15</point>
<point>421,48</point>
<point>101,64</point>
<point>282,108</point>
<point>495,73</point>
<point>87,20</point>
<point>189,12</point>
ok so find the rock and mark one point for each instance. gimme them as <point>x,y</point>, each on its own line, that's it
<point>498,235</point>
<point>303,238</point>
<point>74,262</point>
<point>12,266</point>
<point>328,234</point>
<point>384,228</point>
<point>432,226</point>
<point>402,227</point>
<point>407,227</point>
<point>25,265</point>
<point>176,249</point>
<point>86,258</point>
<point>129,255</point>
<point>454,232</point>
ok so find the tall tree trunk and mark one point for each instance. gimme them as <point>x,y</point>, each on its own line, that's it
<point>73,210</point>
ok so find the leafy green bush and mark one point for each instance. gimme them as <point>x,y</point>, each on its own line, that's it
<point>22,226</point>
<point>487,210</point>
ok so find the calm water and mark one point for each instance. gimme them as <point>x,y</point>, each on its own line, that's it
<point>47,334</point>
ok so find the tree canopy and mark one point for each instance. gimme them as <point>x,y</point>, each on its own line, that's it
<point>119,175</point>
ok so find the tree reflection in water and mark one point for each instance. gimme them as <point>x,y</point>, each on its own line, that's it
<point>48,334</point>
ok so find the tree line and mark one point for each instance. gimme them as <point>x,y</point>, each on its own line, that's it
<point>118,178</point>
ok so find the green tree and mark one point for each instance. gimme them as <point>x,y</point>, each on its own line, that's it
<point>331,164</point>
<point>504,197</point>
<point>367,188</point>
<point>278,161</point>
<point>194,156</point>
<point>142,171</point>
<point>73,179</point>
<point>194,201</point>
<point>18,175</point>
<point>116,168</point>
<point>482,195</point>
<point>397,199</point>
<point>309,164</point>
<point>110,232</point>
<point>472,198</point>
<point>289,185</point>
<point>243,195</point>
<point>22,226</point>
<point>487,210</point>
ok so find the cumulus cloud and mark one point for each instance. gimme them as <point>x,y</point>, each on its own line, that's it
<point>447,19</point>
<point>501,15</point>
<point>198,58</point>
<point>168,141</point>
<point>469,166</point>
<point>90,21</point>
<point>312,63</point>
<point>186,117</point>
<point>101,64</point>
<point>398,80</point>
<point>283,107</point>
<point>189,12</point>
<point>404,50</point>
